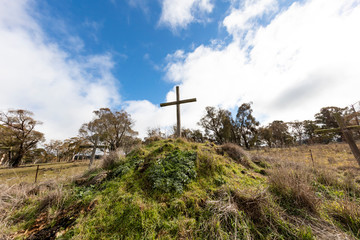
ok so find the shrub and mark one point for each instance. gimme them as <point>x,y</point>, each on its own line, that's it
<point>172,173</point>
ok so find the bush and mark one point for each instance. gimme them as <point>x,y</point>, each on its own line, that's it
<point>172,173</point>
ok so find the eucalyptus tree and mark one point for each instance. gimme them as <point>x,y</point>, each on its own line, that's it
<point>110,128</point>
<point>19,134</point>
<point>245,126</point>
<point>217,124</point>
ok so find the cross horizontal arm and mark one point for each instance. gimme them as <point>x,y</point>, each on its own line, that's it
<point>92,146</point>
<point>353,127</point>
<point>178,102</point>
<point>333,130</point>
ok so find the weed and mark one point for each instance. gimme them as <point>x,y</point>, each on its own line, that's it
<point>172,173</point>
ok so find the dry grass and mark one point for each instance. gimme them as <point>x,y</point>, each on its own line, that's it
<point>347,214</point>
<point>47,172</point>
<point>335,155</point>
<point>14,197</point>
<point>110,160</point>
<point>291,182</point>
<point>236,153</point>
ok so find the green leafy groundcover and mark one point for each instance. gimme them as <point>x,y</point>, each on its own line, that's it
<point>173,173</point>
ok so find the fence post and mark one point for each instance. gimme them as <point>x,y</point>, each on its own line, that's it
<point>37,170</point>
<point>312,159</point>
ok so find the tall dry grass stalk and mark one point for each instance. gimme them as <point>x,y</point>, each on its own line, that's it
<point>291,182</point>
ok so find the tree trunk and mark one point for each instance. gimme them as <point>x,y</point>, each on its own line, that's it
<point>246,142</point>
<point>15,160</point>
<point>93,151</point>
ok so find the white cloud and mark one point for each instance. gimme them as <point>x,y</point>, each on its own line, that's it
<point>242,19</point>
<point>179,14</point>
<point>37,75</point>
<point>306,58</point>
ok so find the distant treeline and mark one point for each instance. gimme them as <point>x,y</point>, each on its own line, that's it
<point>112,130</point>
<point>220,126</point>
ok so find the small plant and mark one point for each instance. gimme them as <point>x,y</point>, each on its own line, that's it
<point>172,173</point>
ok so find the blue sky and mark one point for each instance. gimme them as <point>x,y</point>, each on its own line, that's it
<point>64,59</point>
<point>132,34</point>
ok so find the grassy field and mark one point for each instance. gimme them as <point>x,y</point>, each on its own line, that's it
<point>334,155</point>
<point>173,189</point>
<point>47,171</point>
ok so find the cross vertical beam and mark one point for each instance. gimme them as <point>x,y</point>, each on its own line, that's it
<point>346,131</point>
<point>177,103</point>
<point>178,124</point>
<point>348,137</point>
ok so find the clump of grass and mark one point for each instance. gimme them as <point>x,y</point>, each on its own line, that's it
<point>327,177</point>
<point>206,163</point>
<point>292,184</point>
<point>347,214</point>
<point>236,153</point>
<point>350,185</point>
<point>240,214</point>
<point>111,160</point>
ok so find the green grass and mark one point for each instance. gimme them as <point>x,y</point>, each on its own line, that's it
<point>173,189</point>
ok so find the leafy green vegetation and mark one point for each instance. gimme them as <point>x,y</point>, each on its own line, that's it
<point>172,173</point>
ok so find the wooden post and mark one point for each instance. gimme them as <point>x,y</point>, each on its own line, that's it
<point>312,159</point>
<point>178,125</point>
<point>346,131</point>
<point>94,151</point>
<point>37,170</point>
<point>10,154</point>
<point>356,118</point>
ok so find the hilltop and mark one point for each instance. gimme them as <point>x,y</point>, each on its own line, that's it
<point>174,189</point>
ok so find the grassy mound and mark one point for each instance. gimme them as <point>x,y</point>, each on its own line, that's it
<point>173,189</point>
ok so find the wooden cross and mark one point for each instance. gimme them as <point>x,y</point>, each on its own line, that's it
<point>94,147</point>
<point>177,103</point>
<point>346,131</point>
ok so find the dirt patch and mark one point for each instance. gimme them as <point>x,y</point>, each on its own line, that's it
<point>44,228</point>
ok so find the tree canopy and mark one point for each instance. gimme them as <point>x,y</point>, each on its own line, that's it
<point>112,128</point>
<point>18,133</point>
